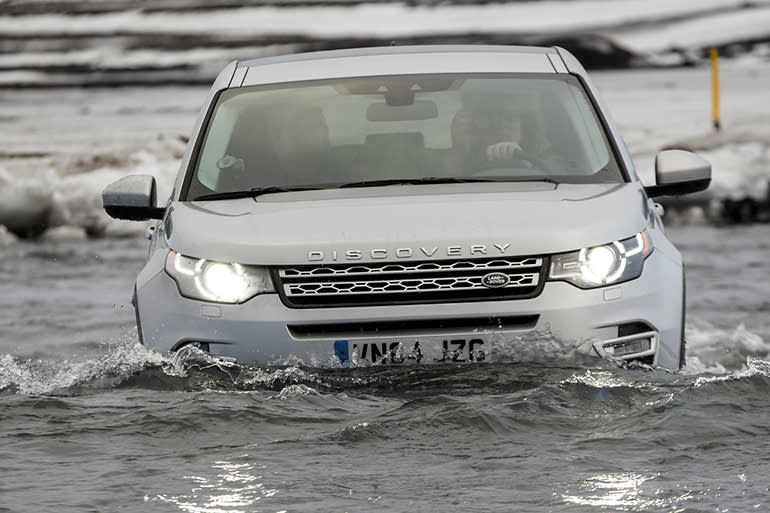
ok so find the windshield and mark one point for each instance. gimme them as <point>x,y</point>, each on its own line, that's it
<point>385,129</point>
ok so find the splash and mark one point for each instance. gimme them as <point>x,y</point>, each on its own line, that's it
<point>716,351</point>
<point>130,364</point>
<point>754,368</point>
<point>42,377</point>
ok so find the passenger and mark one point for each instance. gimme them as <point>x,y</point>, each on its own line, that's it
<point>282,146</point>
<point>300,140</point>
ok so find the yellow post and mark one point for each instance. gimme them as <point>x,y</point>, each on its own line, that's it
<point>715,85</point>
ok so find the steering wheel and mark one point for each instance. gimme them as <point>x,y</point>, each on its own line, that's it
<point>525,156</point>
<point>503,167</point>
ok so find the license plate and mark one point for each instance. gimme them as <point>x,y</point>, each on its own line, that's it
<point>416,351</point>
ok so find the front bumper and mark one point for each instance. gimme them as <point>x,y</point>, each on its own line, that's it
<point>606,321</point>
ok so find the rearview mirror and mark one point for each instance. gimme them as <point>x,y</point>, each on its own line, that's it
<point>416,111</point>
<point>679,172</point>
<point>133,198</point>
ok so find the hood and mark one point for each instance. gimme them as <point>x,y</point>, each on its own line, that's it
<point>407,222</point>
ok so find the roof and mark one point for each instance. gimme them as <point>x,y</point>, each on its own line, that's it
<point>396,50</point>
<point>395,60</point>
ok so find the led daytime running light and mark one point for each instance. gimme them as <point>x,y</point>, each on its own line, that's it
<point>608,264</point>
<point>198,278</point>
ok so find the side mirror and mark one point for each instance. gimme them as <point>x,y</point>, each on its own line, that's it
<point>679,172</point>
<point>133,198</point>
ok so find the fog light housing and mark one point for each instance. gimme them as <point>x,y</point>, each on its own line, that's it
<point>629,347</point>
<point>625,348</point>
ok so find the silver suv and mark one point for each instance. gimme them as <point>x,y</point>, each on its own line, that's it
<point>410,205</point>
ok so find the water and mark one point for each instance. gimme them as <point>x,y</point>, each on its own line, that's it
<point>534,439</point>
<point>530,438</point>
<point>91,421</point>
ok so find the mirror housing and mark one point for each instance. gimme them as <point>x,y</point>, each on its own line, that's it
<point>133,198</point>
<point>416,111</point>
<point>679,172</point>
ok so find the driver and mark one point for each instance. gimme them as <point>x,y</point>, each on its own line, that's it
<point>508,122</point>
<point>489,133</point>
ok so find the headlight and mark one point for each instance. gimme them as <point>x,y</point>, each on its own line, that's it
<point>611,263</point>
<point>198,278</point>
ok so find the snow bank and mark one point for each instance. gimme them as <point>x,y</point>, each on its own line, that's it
<point>30,206</point>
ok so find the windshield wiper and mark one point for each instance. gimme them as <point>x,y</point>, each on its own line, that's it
<point>258,191</point>
<point>542,179</point>
<point>414,181</point>
<point>252,193</point>
<point>442,180</point>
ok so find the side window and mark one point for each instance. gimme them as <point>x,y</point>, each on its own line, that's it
<point>588,130</point>
<point>215,145</point>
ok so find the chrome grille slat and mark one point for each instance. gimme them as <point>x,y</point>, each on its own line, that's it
<point>368,269</point>
<point>387,286</point>
<point>362,284</point>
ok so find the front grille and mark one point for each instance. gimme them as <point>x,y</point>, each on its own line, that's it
<point>411,282</point>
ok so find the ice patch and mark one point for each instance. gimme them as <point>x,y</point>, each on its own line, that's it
<point>72,197</point>
<point>741,169</point>
<point>6,237</point>
<point>27,207</point>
